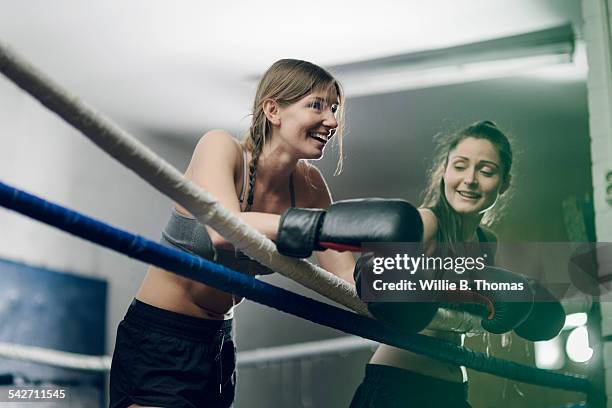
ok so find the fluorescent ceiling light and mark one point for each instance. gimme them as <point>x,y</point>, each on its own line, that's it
<point>464,63</point>
<point>549,354</point>
<point>577,345</point>
<point>576,71</point>
<point>575,320</point>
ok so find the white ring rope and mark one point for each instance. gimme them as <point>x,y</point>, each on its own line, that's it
<point>298,351</point>
<point>250,358</point>
<point>55,358</point>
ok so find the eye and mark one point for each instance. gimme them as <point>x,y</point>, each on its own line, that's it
<point>487,171</point>
<point>318,105</point>
<point>335,107</point>
<point>459,166</point>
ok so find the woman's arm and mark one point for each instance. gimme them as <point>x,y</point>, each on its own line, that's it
<point>214,165</point>
<point>430,230</point>
<point>340,264</point>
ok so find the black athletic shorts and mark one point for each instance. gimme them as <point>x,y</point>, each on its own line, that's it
<point>392,387</point>
<point>166,359</point>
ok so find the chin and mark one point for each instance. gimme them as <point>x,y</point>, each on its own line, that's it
<point>463,209</point>
<point>315,155</point>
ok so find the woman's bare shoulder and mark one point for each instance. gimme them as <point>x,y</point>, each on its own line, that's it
<point>430,224</point>
<point>217,147</point>
<point>218,139</point>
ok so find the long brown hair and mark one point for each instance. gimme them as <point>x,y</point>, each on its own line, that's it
<point>450,228</point>
<point>286,82</point>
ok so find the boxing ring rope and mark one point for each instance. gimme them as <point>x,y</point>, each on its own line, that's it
<point>55,358</point>
<point>162,176</point>
<point>227,280</point>
<point>245,359</point>
<point>311,349</point>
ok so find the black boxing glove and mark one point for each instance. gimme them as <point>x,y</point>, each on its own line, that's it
<point>403,317</point>
<point>503,299</point>
<point>345,225</point>
<point>546,319</point>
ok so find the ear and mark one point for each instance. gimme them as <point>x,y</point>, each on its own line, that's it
<point>505,185</point>
<point>272,111</point>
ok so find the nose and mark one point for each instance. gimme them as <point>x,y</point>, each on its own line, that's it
<point>330,121</point>
<point>470,178</point>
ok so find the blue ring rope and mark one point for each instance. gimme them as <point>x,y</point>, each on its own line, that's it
<point>227,280</point>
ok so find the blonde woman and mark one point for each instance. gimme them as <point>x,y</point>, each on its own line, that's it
<point>175,345</point>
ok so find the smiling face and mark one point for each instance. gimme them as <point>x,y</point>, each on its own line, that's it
<point>474,177</point>
<point>307,125</point>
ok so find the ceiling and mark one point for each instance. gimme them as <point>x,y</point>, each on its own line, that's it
<point>186,66</point>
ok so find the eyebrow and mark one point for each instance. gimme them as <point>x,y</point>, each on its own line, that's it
<point>329,101</point>
<point>482,161</point>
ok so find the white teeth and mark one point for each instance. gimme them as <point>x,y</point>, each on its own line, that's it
<point>469,195</point>
<point>319,136</point>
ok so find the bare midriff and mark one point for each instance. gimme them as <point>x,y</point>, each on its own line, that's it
<point>395,357</point>
<point>169,291</point>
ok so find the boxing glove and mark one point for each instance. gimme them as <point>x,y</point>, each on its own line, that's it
<point>503,299</point>
<point>547,317</point>
<point>404,317</point>
<point>345,225</point>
